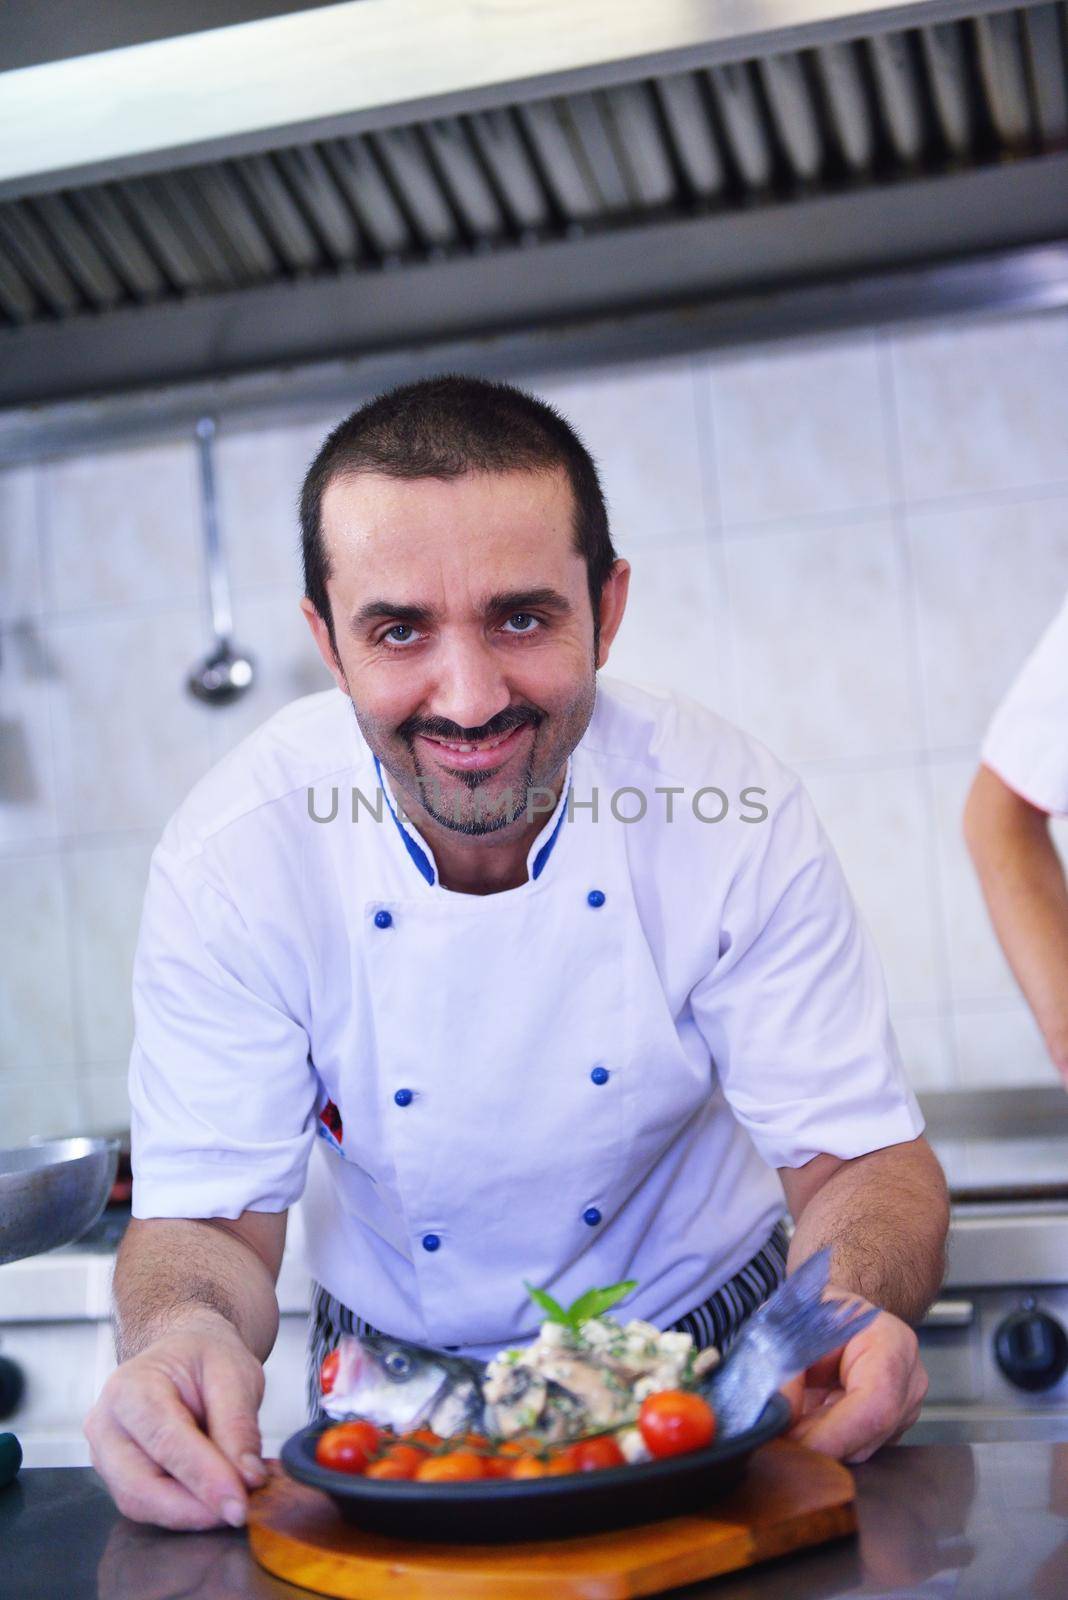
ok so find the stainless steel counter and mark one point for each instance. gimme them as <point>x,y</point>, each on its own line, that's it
<point>978,1522</point>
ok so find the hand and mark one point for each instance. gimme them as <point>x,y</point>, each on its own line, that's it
<point>174,1432</point>
<point>863,1396</point>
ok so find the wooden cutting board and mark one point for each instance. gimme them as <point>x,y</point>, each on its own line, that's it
<point>790,1498</point>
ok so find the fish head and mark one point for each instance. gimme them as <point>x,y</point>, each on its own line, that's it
<point>403,1386</point>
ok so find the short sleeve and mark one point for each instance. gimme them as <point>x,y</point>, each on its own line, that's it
<point>222,1092</point>
<point>795,1010</point>
<point>1027,741</point>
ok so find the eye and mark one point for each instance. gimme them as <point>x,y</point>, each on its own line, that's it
<point>403,627</point>
<point>397,1364</point>
<point>526,617</point>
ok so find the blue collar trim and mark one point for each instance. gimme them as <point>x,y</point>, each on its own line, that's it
<point>426,866</point>
<point>416,851</point>
<point>543,854</point>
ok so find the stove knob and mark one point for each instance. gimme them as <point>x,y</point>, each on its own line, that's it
<point>12,1385</point>
<point>1031,1348</point>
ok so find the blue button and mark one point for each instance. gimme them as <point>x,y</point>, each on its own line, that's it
<point>599,1075</point>
<point>431,1241</point>
<point>596,897</point>
<point>383,919</point>
<point>591,1218</point>
<point>404,1097</point>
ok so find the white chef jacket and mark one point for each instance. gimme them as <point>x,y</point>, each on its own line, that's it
<point>585,1078</point>
<point>1027,741</point>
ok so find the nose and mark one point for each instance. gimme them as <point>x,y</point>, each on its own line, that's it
<point>470,688</point>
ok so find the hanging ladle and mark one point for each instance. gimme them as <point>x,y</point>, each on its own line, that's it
<point>228,671</point>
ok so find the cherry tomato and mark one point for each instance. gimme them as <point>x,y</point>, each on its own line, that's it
<point>521,1445</point>
<point>496,1466</point>
<point>450,1468</point>
<point>328,1371</point>
<point>590,1455</point>
<point>561,1461</point>
<point>529,1467</point>
<point>408,1457</point>
<point>387,1468</point>
<point>674,1421</point>
<point>348,1447</point>
<point>424,1436</point>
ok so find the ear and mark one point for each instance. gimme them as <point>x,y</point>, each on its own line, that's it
<point>321,634</point>
<point>613,604</point>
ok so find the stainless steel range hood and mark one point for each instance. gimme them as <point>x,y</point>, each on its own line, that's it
<point>385,172</point>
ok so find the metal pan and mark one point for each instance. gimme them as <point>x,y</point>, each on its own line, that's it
<point>502,1511</point>
<point>51,1191</point>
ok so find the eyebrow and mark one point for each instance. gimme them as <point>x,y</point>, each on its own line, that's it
<point>543,599</point>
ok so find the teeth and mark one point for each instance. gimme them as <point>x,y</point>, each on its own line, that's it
<point>486,744</point>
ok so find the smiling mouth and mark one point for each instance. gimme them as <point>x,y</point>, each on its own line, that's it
<point>466,753</point>
<point>479,744</point>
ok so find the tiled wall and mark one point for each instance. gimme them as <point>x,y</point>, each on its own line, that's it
<point>848,546</point>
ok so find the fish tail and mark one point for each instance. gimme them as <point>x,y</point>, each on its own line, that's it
<point>802,1326</point>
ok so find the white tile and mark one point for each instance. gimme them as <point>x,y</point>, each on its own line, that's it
<point>107,887</point>
<point>978,970</point>
<point>640,425</point>
<point>983,406</point>
<point>926,1050</point>
<point>669,636</point>
<point>106,1100</point>
<point>1002,1049</point>
<point>36,1022</point>
<point>878,826</point>
<point>260,473</point>
<point>27,770</point>
<point>20,571</point>
<point>799,429</point>
<point>129,739</point>
<point>987,581</point>
<point>44,1105</point>
<point>123,526</point>
<point>272,628</point>
<point>819,641</point>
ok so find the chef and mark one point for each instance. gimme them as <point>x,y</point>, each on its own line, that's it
<point>512,973</point>
<point>1021,783</point>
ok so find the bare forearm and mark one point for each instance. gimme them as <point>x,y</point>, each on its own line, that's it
<point>172,1272</point>
<point>1026,893</point>
<point>885,1218</point>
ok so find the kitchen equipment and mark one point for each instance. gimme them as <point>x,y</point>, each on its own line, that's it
<point>51,1191</point>
<point>789,1498</point>
<point>226,672</point>
<point>755,167</point>
<point>995,1343</point>
<point>535,1508</point>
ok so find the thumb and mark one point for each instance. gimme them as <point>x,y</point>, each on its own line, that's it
<point>232,1391</point>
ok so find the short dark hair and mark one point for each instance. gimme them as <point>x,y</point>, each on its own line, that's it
<point>445,426</point>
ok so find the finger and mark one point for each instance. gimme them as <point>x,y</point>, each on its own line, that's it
<point>156,1420</point>
<point>139,1488</point>
<point>231,1402</point>
<point>851,1428</point>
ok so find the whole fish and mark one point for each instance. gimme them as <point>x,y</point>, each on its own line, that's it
<point>404,1386</point>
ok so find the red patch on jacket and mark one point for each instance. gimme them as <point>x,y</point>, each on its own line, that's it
<point>330,1117</point>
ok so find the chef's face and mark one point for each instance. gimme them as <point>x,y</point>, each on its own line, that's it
<point>462,613</point>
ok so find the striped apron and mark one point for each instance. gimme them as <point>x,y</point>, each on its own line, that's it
<point>716,1322</point>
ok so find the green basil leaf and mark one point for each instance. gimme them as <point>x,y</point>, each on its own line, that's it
<point>552,1308</point>
<point>595,1302</point>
